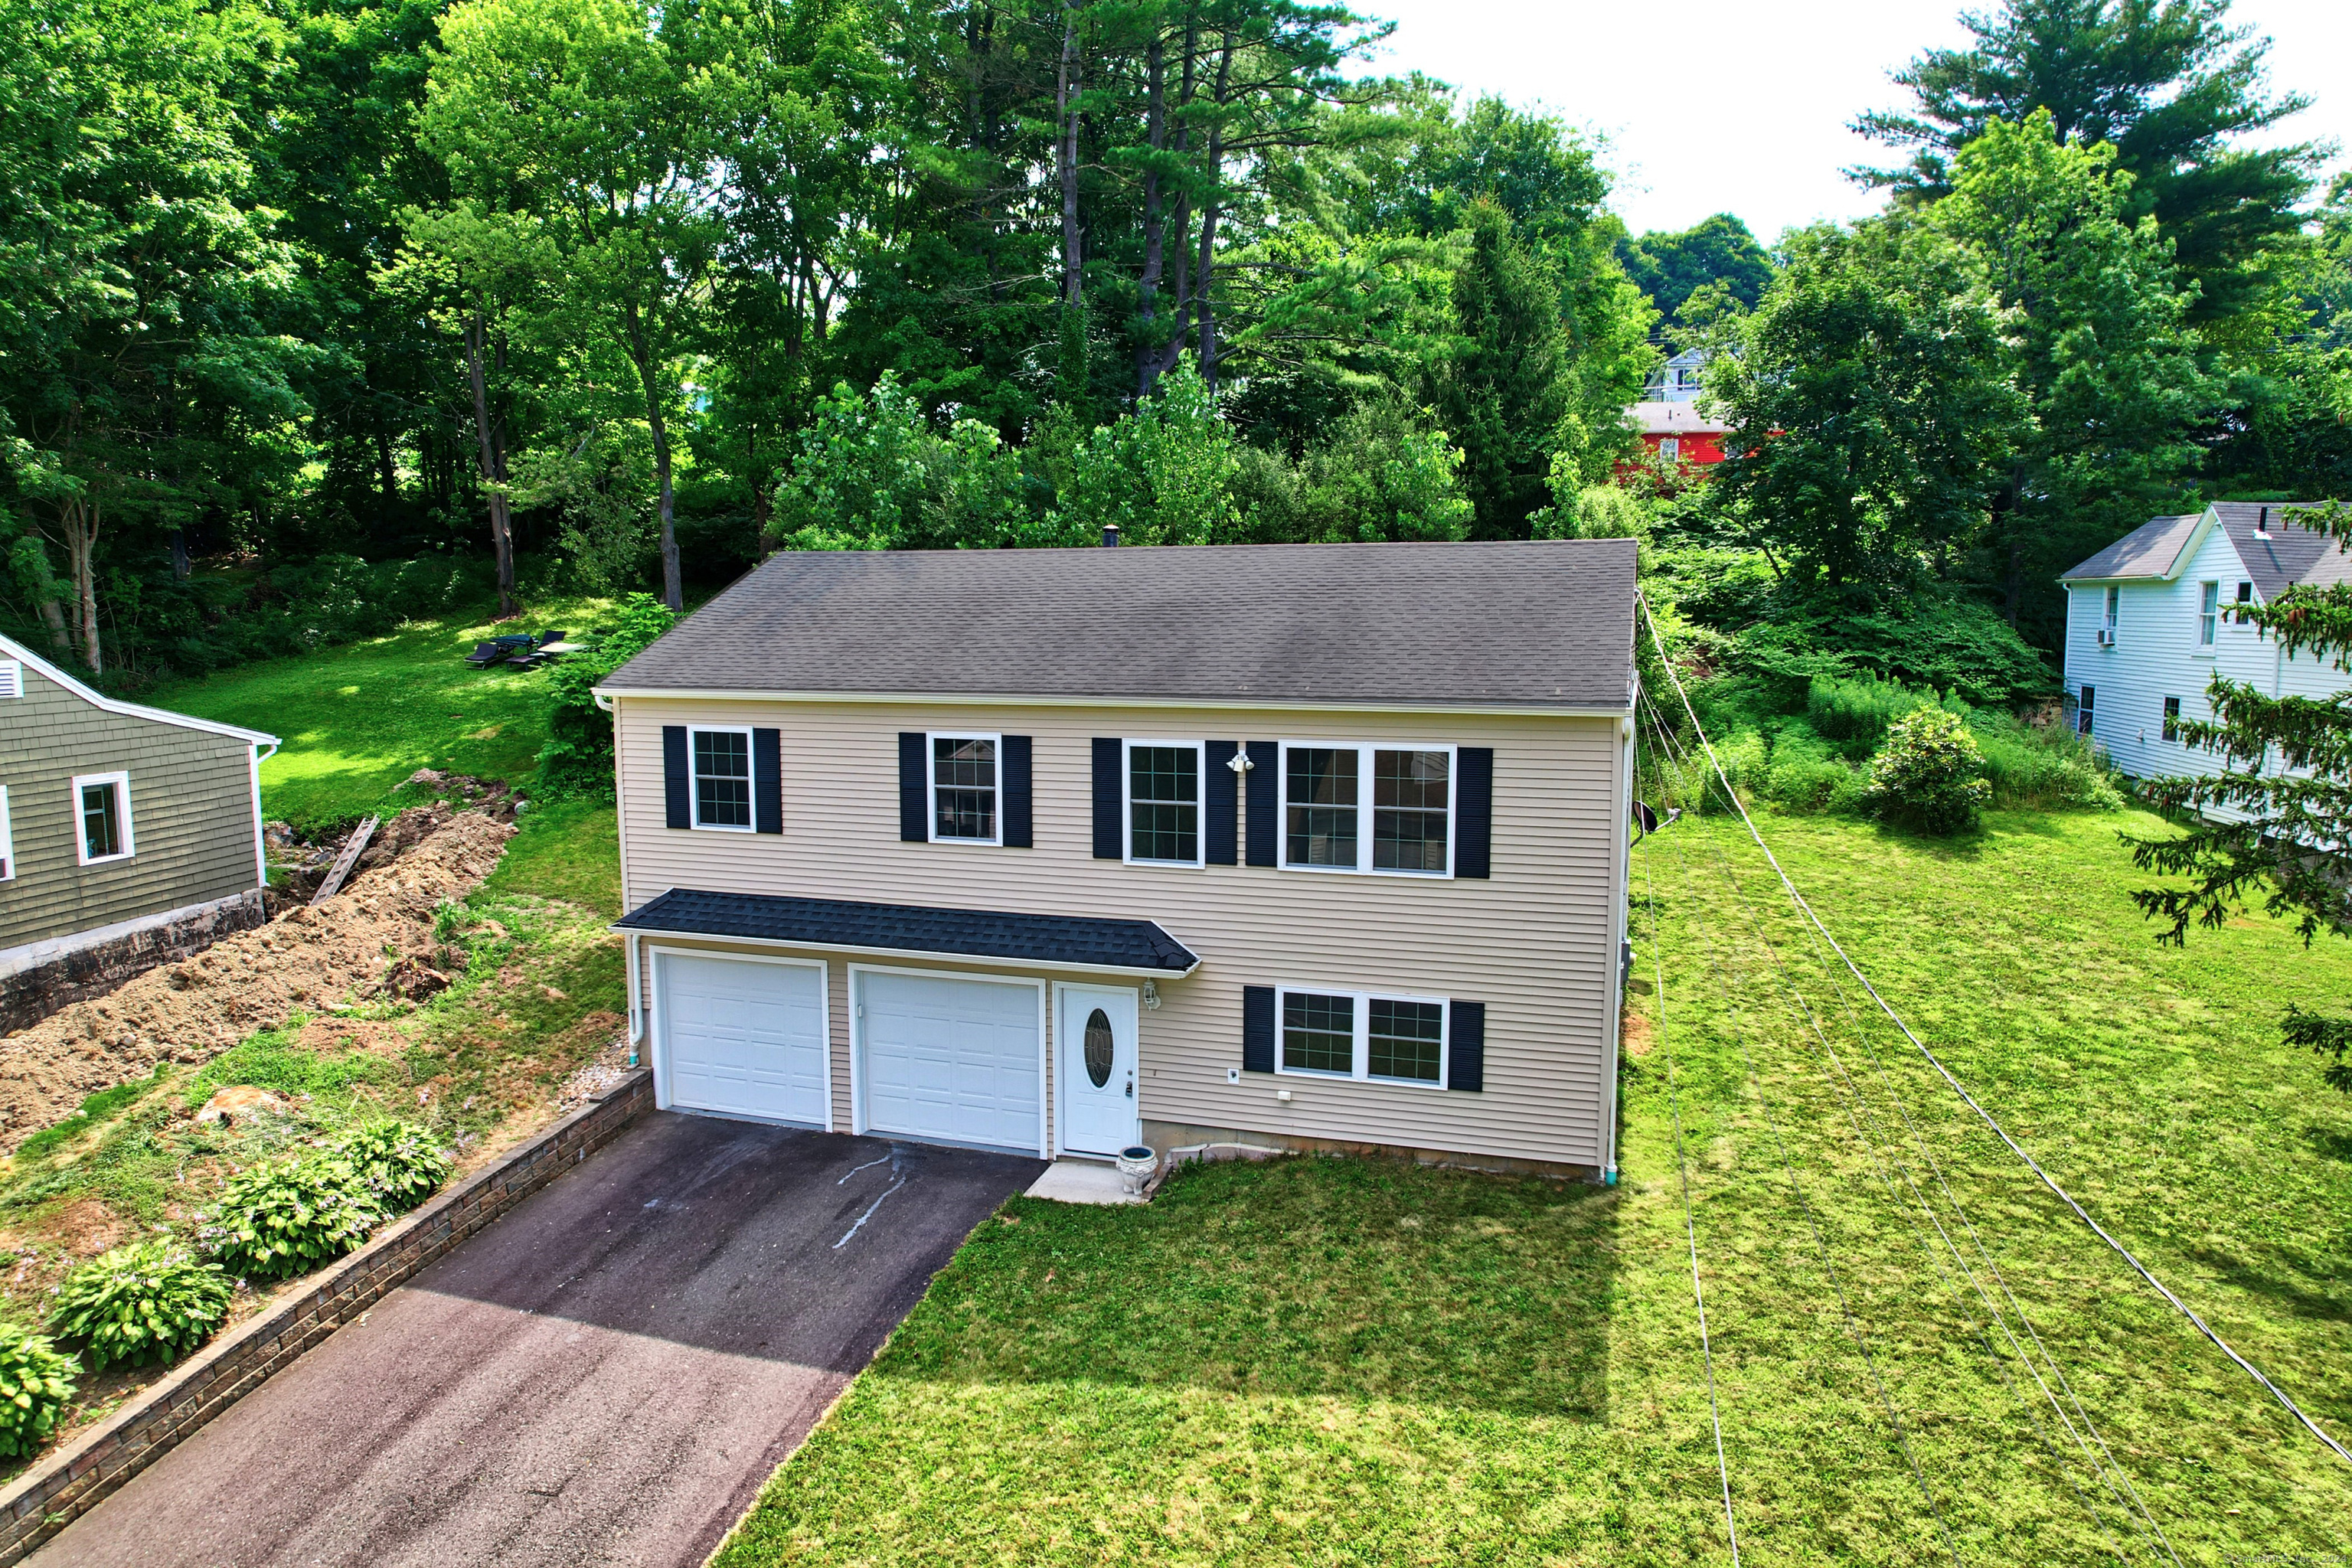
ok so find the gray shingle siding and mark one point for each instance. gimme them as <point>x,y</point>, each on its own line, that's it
<point>191,815</point>
<point>1545,623</point>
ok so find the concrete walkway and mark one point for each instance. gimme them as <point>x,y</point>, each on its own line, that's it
<point>604,1376</point>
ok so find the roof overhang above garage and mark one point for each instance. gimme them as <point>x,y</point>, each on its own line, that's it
<point>1075,942</point>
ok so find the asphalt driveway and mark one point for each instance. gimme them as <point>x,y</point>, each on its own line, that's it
<point>606,1375</point>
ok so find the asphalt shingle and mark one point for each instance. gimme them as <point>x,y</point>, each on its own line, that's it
<point>910,928</point>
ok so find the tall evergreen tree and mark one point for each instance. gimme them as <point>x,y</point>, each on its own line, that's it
<point>1504,385</point>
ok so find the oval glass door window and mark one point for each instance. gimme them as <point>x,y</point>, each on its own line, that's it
<point>1098,1047</point>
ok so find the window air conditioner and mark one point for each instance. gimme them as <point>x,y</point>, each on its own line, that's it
<point>2106,636</point>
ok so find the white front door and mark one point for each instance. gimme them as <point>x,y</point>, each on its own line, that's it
<point>1097,1069</point>
<point>743,1036</point>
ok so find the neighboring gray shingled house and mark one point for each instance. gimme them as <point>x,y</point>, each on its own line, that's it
<point>1305,846</point>
<point>128,836</point>
<point>2148,625</point>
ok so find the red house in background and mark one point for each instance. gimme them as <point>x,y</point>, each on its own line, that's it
<point>1668,417</point>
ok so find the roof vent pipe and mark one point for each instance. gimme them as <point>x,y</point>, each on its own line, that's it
<point>2263,523</point>
<point>1110,536</point>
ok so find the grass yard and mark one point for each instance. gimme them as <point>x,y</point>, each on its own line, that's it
<point>1335,1362</point>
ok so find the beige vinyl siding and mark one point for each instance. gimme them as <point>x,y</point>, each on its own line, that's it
<point>191,825</point>
<point>1535,943</point>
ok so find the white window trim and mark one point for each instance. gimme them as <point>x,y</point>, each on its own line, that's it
<point>931,786</point>
<point>2208,621</point>
<point>1200,750</point>
<point>693,779</point>
<point>2111,608</point>
<point>7,840</point>
<point>1364,750</point>
<point>121,780</point>
<point>1363,1047</point>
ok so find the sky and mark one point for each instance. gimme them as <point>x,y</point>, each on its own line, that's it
<point>1713,106</point>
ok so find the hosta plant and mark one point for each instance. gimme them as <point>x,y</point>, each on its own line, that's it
<point>151,1300</point>
<point>396,1160</point>
<point>37,1380</point>
<point>279,1218</point>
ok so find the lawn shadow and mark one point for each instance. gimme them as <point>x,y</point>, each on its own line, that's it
<point>2330,1145</point>
<point>1339,1278</point>
<point>2271,1283</point>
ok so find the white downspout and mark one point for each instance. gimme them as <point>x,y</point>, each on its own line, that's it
<point>1620,859</point>
<point>261,849</point>
<point>637,1021</point>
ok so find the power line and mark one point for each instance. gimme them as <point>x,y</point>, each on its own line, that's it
<point>1690,1220</point>
<point>1970,1100</point>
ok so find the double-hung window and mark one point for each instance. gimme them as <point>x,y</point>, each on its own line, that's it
<point>102,817</point>
<point>722,778</point>
<point>1361,1035</point>
<point>963,789</point>
<point>1369,808</point>
<point>2209,611</point>
<point>8,839</point>
<point>1163,802</point>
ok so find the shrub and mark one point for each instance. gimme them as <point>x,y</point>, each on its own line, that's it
<point>579,751</point>
<point>1860,711</point>
<point>149,1300</point>
<point>282,1217</point>
<point>2045,768</point>
<point>395,1162</point>
<point>1930,775</point>
<point>36,1381</point>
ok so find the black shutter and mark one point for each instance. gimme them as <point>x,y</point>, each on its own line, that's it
<point>766,781</point>
<point>914,786</point>
<point>1465,1066</point>
<point>1108,759</point>
<point>1264,801</point>
<point>1016,792</point>
<point>1473,810</point>
<point>676,788</point>
<point>1257,1028</point>
<point>1221,790</point>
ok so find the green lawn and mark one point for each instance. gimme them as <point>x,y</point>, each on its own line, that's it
<point>1337,1361</point>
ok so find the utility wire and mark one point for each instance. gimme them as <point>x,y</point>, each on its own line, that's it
<point>1690,1220</point>
<point>1787,1171</point>
<point>1839,1077</point>
<point>1970,1100</point>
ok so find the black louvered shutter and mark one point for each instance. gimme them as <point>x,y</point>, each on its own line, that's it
<point>1222,792</point>
<point>1473,811</point>
<point>913,769</point>
<point>1465,1066</point>
<point>676,788</point>
<point>1257,1028</point>
<point>1264,802</point>
<point>766,781</point>
<point>1016,792</point>
<point>1108,759</point>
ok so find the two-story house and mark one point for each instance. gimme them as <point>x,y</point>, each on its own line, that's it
<point>128,835</point>
<point>2150,623</point>
<point>1063,850</point>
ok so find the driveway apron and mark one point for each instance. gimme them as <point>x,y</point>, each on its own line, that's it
<point>606,1375</point>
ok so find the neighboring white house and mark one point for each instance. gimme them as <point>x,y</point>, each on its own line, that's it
<point>2149,624</point>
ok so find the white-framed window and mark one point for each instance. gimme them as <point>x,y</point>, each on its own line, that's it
<point>12,679</point>
<point>2113,607</point>
<point>1383,807</point>
<point>964,781</point>
<point>1670,448</point>
<point>1365,1035</point>
<point>101,805</point>
<point>720,759</point>
<point>2171,718</point>
<point>2083,709</point>
<point>1164,784</point>
<point>2209,611</point>
<point>7,840</point>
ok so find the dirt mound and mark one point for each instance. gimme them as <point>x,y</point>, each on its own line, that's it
<point>305,960</point>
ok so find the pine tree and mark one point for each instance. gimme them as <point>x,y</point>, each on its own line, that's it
<point>1502,391</point>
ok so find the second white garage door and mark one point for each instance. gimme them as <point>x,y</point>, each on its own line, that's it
<point>744,1038</point>
<point>956,1061</point>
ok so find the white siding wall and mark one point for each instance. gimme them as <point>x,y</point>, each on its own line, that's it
<point>1536,943</point>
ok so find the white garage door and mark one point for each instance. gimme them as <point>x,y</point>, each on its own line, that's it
<point>952,1060</point>
<point>744,1038</point>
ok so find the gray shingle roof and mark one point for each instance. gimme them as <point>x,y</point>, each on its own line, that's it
<point>1542,624</point>
<point>2148,550</point>
<point>910,927</point>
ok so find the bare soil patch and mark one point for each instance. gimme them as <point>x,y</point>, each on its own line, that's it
<point>305,960</point>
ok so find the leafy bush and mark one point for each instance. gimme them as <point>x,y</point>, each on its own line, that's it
<point>579,751</point>
<point>148,1302</point>
<point>37,1379</point>
<point>1951,644</point>
<point>286,1215</point>
<point>1861,711</point>
<point>395,1162</point>
<point>1930,775</point>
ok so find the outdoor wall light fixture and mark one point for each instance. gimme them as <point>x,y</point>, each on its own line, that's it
<point>1151,995</point>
